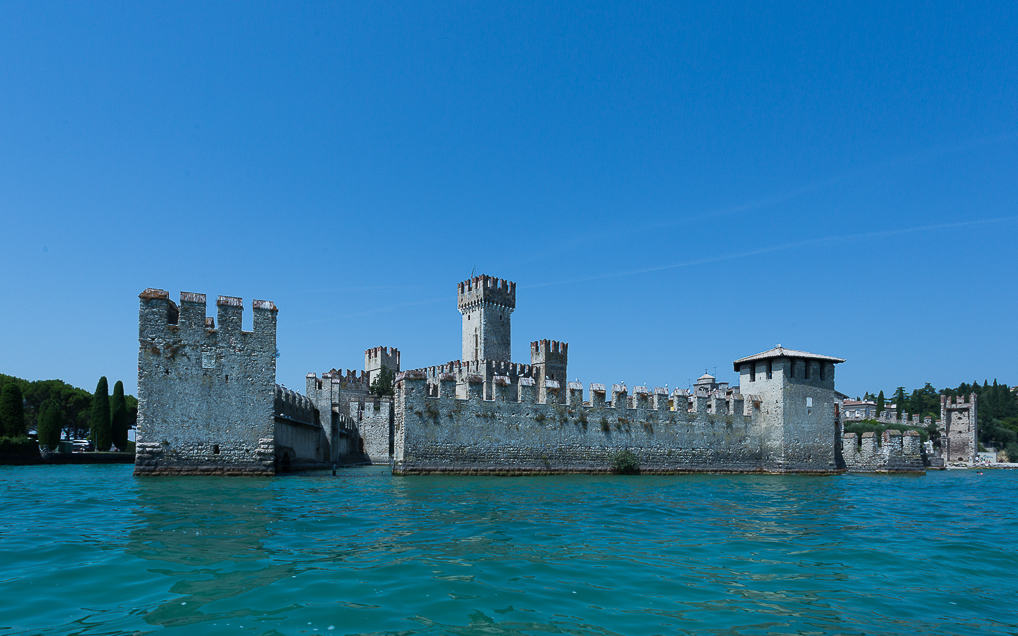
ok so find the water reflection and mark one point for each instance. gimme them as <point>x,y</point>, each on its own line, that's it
<point>207,536</point>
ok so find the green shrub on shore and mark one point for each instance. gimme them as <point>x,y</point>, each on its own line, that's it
<point>625,462</point>
<point>19,446</point>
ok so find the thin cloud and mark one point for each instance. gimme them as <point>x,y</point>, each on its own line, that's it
<point>835,238</point>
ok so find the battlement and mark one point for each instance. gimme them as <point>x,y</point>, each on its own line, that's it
<point>294,407</point>
<point>891,452</point>
<point>486,289</point>
<point>957,401</point>
<point>527,390</point>
<point>161,317</point>
<point>347,376</point>
<point>382,353</point>
<point>546,349</point>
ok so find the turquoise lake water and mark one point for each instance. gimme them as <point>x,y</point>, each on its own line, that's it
<point>93,550</point>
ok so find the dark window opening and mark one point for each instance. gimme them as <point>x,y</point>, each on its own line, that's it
<point>805,369</point>
<point>822,365</point>
<point>752,372</point>
<point>215,449</point>
<point>770,369</point>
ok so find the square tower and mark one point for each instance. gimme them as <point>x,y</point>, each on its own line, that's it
<point>794,391</point>
<point>957,425</point>
<point>548,359</point>
<point>486,304</point>
<point>378,358</point>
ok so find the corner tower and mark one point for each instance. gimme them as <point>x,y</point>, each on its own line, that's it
<point>794,392</point>
<point>486,304</point>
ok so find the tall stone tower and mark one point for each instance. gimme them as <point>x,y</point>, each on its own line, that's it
<point>958,424</point>
<point>486,303</point>
<point>794,391</point>
<point>549,358</point>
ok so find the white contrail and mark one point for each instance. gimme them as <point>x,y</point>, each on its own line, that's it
<point>834,238</point>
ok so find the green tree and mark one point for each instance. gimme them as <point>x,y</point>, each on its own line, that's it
<point>899,401</point>
<point>99,421</point>
<point>118,408</point>
<point>12,411</point>
<point>880,403</point>
<point>50,423</point>
<point>382,384</point>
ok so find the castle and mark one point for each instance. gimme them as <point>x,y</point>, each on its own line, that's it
<point>209,404</point>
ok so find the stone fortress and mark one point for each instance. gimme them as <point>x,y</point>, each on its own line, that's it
<point>209,404</point>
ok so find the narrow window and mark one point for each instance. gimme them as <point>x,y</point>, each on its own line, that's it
<point>770,369</point>
<point>215,449</point>
<point>805,369</point>
<point>752,372</point>
<point>822,365</point>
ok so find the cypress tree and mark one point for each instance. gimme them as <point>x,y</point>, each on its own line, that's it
<point>899,401</point>
<point>99,419</point>
<point>50,423</point>
<point>119,413</point>
<point>12,411</point>
<point>880,403</point>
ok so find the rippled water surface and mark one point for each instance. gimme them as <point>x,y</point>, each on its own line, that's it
<point>93,550</point>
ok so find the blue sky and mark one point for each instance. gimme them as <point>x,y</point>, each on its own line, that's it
<point>672,185</point>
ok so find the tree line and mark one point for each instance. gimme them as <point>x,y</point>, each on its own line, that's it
<point>57,410</point>
<point>996,414</point>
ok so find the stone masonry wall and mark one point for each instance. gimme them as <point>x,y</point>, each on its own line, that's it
<point>205,394</point>
<point>896,453</point>
<point>515,434</point>
<point>373,421</point>
<point>301,442</point>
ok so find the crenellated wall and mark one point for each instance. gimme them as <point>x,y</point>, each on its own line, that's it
<point>205,394</point>
<point>896,452</point>
<point>517,433</point>
<point>300,439</point>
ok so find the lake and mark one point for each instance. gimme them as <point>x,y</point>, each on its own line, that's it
<point>93,550</point>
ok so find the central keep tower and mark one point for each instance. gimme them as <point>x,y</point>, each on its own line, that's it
<point>486,304</point>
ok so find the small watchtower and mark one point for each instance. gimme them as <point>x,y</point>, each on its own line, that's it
<point>794,392</point>
<point>377,358</point>
<point>548,359</point>
<point>486,304</point>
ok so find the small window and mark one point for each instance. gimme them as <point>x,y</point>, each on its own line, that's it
<point>822,365</point>
<point>770,369</point>
<point>752,372</point>
<point>805,369</point>
<point>215,449</point>
<point>809,401</point>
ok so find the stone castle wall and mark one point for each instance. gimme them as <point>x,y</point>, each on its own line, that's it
<point>515,433</point>
<point>896,453</point>
<point>374,423</point>
<point>205,394</point>
<point>300,440</point>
